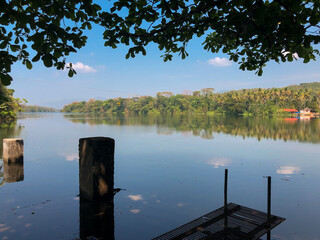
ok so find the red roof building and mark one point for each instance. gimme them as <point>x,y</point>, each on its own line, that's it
<point>291,110</point>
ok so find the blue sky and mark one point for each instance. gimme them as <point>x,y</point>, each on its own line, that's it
<point>104,73</point>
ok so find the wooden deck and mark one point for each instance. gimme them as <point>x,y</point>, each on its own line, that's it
<point>237,223</point>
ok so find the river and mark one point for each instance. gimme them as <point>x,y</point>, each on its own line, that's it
<point>171,170</point>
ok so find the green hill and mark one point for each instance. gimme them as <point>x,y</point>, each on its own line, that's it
<point>312,87</point>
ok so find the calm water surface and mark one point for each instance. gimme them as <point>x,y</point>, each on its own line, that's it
<point>172,170</point>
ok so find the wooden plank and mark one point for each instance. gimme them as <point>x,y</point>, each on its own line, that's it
<point>195,225</point>
<point>237,223</point>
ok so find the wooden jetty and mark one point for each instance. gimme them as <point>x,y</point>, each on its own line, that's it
<point>230,222</point>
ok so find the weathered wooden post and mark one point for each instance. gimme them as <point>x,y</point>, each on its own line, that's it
<point>96,168</point>
<point>12,150</point>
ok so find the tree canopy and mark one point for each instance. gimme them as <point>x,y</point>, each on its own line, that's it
<point>250,32</point>
<point>251,102</point>
<point>8,106</point>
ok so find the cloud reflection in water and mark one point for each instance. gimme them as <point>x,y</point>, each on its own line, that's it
<point>288,170</point>
<point>219,162</point>
<point>136,197</point>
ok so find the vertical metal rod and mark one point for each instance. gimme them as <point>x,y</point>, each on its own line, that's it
<point>269,235</point>
<point>226,190</point>
<point>226,199</point>
<point>269,201</point>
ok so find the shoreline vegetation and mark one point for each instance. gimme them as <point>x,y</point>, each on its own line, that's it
<point>36,108</point>
<point>246,102</point>
<point>9,106</point>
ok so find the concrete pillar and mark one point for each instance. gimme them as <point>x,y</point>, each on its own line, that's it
<point>13,172</point>
<point>96,168</point>
<point>96,219</point>
<point>12,150</point>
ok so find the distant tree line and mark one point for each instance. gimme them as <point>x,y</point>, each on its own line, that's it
<point>242,102</point>
<point>35,108</point>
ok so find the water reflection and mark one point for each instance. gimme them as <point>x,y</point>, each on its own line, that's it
<point>13,172</point>
<point>206,126</point>
<point>288,170</point>
<point>219,162</point>
<point>1,173</point>
<point>96,219</point>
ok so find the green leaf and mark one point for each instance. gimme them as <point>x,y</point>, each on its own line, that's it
<point>28,64</point>
<point>14,48</point>
<point>5,79</point>
<point>36,58</point>
<point>47,61</point>
<point>70,73</point>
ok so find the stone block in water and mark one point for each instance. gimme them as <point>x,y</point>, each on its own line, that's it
<point>13,150</point>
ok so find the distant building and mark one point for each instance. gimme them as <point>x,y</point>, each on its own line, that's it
<point>305,111</point>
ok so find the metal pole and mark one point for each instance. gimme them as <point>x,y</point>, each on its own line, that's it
<point>226,190</point>
<point>226,199</point>
<point>269,201</point>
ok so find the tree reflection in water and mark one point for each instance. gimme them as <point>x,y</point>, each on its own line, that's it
<point>205,126</point>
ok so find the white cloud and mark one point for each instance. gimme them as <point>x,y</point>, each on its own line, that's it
<point>219,62</point>
<point>135,197</point>
<point>219,162</point>
<point>80,67</point>
<point>287,170</point>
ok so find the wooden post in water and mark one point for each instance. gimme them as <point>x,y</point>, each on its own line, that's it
<point>269,201</point>
<point>96,168</point>
<point>12,150</point>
